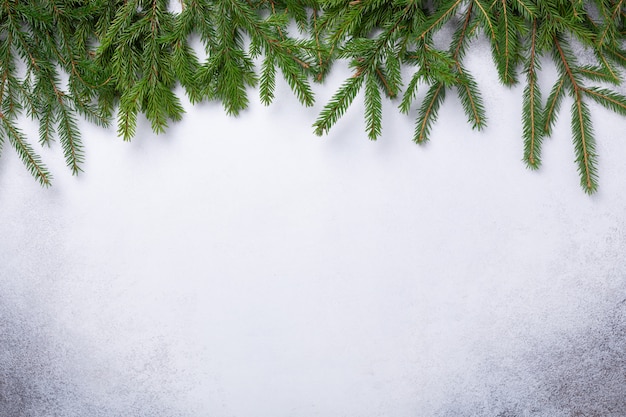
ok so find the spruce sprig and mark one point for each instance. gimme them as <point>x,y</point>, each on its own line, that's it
<point>533,131</point>
<point>522,34</point>
<point>40,41</point>
<point>65,59</point>
<point>376,62</point>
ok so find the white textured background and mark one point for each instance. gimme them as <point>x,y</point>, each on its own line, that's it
<point>246,268</point>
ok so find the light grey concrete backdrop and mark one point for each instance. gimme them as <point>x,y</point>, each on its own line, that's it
<point>246,268</point>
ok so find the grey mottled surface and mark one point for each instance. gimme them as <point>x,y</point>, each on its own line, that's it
<point>244,268</point>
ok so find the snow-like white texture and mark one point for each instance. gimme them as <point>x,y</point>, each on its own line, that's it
<point>246,268</point>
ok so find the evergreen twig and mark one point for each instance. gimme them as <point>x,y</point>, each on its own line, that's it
<point>127,56</point>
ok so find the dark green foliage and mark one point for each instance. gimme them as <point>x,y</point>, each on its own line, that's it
<point>40,41</point>
<point>428,112</point>
<point>533,129</point>
<point>65,59</point>
<point>522,33</point>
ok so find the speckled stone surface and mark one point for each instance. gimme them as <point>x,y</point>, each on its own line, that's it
<point>245,268</point>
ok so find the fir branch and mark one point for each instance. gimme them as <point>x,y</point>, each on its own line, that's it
<point>390,77</point>
<point>598,73</point>
<point>410,93</point>
<point>444,13</point>
<point>613,75</point>
<point>607,98</point>
<point>292,65</point>
<point>339,103</point>
<point>532,110</point>
<point>506,53</point>
<point>368,56</point>
<point>70,138</point>
<point>486,19</point>
<point>128,110</point>
<point>467,87</point>
<point>184,59</point>
<point>25,151</point>
<point>616,55</point>
<point>608,35</point>
<point>373,107</point>
<point>268,80</point>
<point>553,105</point>
<point>129,55</point>
<point>525,8</point>
<point>320,60</point>
<point>428,112</point>
<point>584,144</point>
<point>46,126</point>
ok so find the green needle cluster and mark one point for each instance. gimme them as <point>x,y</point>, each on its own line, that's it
<point>66,59</point>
